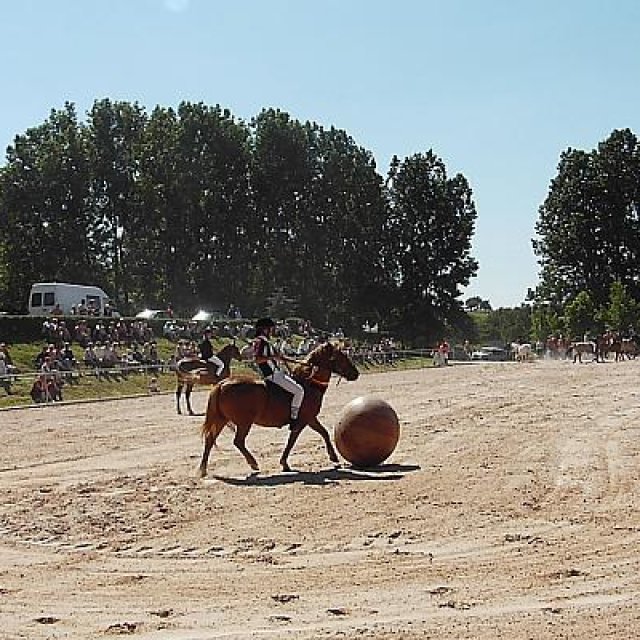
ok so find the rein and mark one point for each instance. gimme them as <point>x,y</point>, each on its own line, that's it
<point>319,383</point>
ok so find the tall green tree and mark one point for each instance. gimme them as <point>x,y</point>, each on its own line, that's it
<point>44,189</point>
<point>431,224</point>
<point>215,153</point>
<point>580,316</point>
<point>348,237</point>
<point>623,311</point>
<point>115,131</point>
<point>282,172</point>
<point>589,225</point>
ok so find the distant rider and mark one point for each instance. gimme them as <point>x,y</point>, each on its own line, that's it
<point>207,354</point>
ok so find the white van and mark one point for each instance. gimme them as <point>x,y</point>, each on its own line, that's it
<point>45,296</point>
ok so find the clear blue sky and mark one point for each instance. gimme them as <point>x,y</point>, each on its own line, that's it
<point>497,88</point>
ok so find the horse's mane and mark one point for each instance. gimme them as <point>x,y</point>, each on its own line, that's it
<point>303,369</point>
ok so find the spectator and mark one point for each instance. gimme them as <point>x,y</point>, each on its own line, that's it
<point>110,355</point>
<point>50,381</point>
<point>91,359</point>
<point>4,348</point>
<point>5,379</point>
<point>38,361</point>
<point>68,359</point>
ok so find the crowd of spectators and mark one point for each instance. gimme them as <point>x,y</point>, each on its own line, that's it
<point>127,332</point>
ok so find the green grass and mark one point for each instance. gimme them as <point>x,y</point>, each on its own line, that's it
<point>85,385</point>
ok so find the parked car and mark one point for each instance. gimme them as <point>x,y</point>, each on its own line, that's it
<point>491,354</point>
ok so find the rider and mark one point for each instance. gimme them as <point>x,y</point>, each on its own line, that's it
<point>267,358</point>
<point>207,354</point>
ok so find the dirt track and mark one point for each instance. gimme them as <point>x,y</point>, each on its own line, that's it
<point>508,510</point>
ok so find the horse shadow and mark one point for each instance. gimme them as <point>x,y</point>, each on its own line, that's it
<point>386,473</point>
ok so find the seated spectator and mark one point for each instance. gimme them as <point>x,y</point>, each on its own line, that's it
<point>50,381</point>
<point>4,348</point>
<point>82,334</point>
<point>136,354</point>
<point>110,355</point>
<point>67,357</point>
<point>150,355</point>
<point>38,361</point>
<point>91,359</point>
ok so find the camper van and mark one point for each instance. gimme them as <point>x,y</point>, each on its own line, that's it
<point>45,296</point>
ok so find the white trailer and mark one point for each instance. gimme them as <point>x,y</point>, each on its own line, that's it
<point>45,296</point>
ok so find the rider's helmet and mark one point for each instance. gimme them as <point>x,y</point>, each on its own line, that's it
<point>262,324</point>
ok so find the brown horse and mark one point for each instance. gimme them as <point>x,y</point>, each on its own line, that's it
<point>191,371</point>
<point>244,402</point>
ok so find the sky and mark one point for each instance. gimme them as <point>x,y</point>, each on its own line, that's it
<point>498,89</point>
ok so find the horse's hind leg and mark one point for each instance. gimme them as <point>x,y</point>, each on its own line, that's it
<point>211,431</point>
<point>209,441</point>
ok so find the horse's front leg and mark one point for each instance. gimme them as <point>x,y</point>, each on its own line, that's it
<point>240,443</point>
<point>294,434</point>
<point>178,392</point>
<point>321,429</point>
<point>187,396</point>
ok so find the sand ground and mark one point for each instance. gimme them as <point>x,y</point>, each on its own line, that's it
<point>509,509</point>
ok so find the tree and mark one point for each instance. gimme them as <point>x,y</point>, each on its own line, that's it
<point>115,130</point>
<point>589,225</point>
<point>579,316</point>
<point>622,311</point>
<point>44,190</point>
<point>545,322</point>
<point>431,223</point>
<point>508,325</point>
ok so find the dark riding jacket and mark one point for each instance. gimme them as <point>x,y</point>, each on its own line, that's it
<point>262,348</point>
<point>206,349</point>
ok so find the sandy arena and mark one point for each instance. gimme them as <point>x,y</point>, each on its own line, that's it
<point>508,510</point>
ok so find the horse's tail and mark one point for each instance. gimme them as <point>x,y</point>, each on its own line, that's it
<point>214,420</point>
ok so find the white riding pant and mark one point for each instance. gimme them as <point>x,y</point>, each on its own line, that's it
<point>280,378</point>
<point>217,362</point>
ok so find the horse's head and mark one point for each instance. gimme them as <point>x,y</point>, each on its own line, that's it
<point>230,352</point>
<point>329,356</point>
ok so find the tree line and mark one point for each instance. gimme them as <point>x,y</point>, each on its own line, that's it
<point>198,208</point>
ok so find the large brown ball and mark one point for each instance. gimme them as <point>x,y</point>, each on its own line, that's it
<point>367,431</point>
